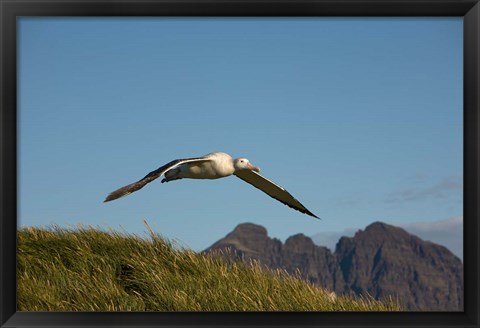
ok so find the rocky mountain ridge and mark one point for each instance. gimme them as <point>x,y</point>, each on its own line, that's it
<point>382,261</point>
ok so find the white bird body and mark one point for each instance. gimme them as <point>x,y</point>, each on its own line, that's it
<point>214,166</point>
<point>218,165</point>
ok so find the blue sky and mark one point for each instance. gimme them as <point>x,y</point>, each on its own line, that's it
<point>359,118</point>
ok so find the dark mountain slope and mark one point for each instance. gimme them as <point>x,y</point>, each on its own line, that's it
<point>381,260</point>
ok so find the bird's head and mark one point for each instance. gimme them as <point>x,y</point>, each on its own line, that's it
<point>244,164</point>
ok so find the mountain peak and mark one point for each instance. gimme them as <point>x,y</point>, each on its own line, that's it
<point>380,232</point>
<point>378,225</point>
<point>250,228</point>
<point>300,241</point>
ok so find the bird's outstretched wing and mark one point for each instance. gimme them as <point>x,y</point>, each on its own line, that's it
<point>128,189</point>
<point>273,190</point>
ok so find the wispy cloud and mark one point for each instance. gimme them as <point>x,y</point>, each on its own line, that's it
<point>351,200</point>
<point>440,225</point>
<point>441,189</point>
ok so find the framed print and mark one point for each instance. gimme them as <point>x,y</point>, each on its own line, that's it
<point>253,163</point>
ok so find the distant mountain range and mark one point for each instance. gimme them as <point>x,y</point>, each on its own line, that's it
<point>381,261</point>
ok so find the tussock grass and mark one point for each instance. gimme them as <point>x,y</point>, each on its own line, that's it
<point>87,269</point>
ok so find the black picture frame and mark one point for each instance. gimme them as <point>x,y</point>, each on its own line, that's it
<point>10,10</point>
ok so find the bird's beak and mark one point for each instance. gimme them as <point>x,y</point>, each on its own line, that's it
<point>253,168</point>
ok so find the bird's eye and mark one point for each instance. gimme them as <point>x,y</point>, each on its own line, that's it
<point>241,161</point>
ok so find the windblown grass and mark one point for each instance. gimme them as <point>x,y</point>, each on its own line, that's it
<point>87,269</point>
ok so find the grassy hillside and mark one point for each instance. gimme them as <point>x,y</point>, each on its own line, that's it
<point>92,270</point>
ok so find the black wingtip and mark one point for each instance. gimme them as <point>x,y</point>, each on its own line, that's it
<point>306,211</point>
<point>311,214</point>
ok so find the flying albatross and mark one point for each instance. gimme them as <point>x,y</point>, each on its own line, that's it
<point>214,166</point>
